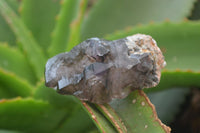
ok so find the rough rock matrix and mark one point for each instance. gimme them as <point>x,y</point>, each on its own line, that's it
<point>98,70</point>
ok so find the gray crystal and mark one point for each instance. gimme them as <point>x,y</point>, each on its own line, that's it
<point>98,71</point>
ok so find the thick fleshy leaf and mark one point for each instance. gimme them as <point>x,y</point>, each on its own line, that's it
<point>6,34</point>
<point>77,122</point>
<point>74,111</point>
<point>29,45</point>
<point>76,25</point>
<point>12,86</point>
<point>61,32</point>
<point>99,119</point>
<point>170,79</point>
<point>29,115</point>
<point>39,16</point>
<point>48,94</point>
<point>112,116</point>
<point>11,59</point>
<point>138,114</point>
<point>108,16</point>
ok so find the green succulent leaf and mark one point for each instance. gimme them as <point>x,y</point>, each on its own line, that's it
<point>12,86</point>
<point>14,4</point>
<point>60,35</point>
<point>6,34</point>
<point>29,115</point>
<point>11,59</point>
<point>77,122</point>
<point>108,16</point>
<point>170,79</point>
<point>74,111</point>
<point>48,94</point>
<point>40,17</point>
<point>138,114</point>
<point>75,26</point>
<point>29,45</point>
<point>99,119</point>
<point>111,115</point>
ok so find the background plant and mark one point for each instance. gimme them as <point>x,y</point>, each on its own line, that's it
<point>31,31</point>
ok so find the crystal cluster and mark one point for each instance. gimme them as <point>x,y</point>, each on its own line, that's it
<point>98,70</point>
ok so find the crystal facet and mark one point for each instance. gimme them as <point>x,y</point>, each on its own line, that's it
<point>98,70</point>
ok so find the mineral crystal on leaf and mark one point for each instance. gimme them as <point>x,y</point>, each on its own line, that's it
<point>98,70</point>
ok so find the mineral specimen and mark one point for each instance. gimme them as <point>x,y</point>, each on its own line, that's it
<point>98,70</point>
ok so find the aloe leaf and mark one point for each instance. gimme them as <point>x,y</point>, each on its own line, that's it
<point>29,45</point>
<point>111,115</point>
<point>77,122</point>
<point>74,111</point>
<point>139,114</point>
<point>39,16</point>
<point>14,4</point>
<point>108,16</point>
<point>99,119</point>
<point>75,26</point>
<point>170,79</point>
<point>60,35</point>
<point>11,59</point>
<point>60,101</point>
<point>6,34</point>
<point>29,115</point>
<point>12,86</point>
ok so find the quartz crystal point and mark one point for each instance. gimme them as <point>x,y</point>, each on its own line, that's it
<point>98,70</point>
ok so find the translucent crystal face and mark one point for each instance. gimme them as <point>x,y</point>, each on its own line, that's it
<point>97,70</point>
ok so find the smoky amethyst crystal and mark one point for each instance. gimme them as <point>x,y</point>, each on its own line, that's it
<point>98,70</point>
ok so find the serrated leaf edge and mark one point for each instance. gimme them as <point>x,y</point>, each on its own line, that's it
<point>165,128</point>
